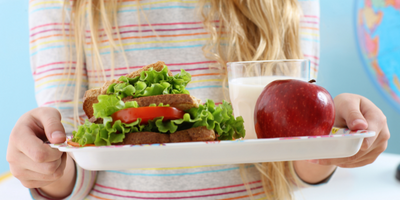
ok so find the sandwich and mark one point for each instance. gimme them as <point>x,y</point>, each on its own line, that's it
<point>151,105</point>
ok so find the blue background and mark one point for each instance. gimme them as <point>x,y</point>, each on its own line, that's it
<point>341,68</point>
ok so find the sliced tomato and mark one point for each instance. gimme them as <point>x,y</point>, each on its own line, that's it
<point>130,115</point>
<point>75,144</point>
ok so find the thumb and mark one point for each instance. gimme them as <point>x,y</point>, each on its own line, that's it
<point>50,119</point>
<point>356,121</point>
<point>348,112</point>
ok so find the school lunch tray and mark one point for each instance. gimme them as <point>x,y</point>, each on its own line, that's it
<point>339,143</point>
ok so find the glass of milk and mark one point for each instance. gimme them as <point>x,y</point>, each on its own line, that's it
<point>247,80</point>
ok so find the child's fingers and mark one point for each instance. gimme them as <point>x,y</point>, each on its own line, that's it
<point>341,161</point>
<point>357,112</point>
<point>376,122</point>
<point>31,160</point>
<point>27,176</point>
<point>35,184</point>
<point>356,164</point>
<point>43,168</point>
<point>35,148</point>
<point>367,159</point>
<point>362,157</point>
<point>25,137</point>
<point>49,119</point>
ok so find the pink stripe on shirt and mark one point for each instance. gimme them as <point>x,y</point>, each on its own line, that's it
<point>156,24</point>
<point>178,191</point>
<point>182,197</point>
<point>311,16</point>
<point>50,24</point>
<point>40,194</point>
<point>55,63</point>
<point>309,22</point>
<point>311,56</point>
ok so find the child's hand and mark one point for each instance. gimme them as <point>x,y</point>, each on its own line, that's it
<point>357,113</point>
<point>31,160</point>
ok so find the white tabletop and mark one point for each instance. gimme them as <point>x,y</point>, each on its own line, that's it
<point>372,182</point>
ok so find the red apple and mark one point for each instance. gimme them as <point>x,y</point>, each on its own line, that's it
<point>291,108</point>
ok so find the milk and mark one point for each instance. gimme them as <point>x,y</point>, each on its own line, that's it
<point>244,93</point>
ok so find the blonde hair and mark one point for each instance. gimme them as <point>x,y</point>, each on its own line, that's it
<point>253,30</point>
<point>247,30</point>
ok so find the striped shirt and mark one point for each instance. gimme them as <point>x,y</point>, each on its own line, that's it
<point>181,37</point>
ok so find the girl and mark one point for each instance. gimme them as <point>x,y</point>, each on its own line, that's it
<point>77,45</point>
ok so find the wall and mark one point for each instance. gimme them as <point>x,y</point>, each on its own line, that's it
<point>340,67</point>
<point>16,83</point>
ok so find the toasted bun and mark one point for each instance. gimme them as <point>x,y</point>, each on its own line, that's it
<point>91,95</point>
<point>193,134</point>
<point>190,135</point>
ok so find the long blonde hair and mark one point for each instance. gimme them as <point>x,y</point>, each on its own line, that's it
<point>248,29</point>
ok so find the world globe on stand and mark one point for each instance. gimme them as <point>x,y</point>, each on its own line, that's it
<point>378,36</point>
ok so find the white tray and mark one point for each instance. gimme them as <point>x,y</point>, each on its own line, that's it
<point>340,143</point>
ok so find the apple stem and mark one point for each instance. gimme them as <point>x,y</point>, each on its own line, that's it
<point>312,81</point>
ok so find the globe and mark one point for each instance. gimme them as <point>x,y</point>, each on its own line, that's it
<point>378,36</point>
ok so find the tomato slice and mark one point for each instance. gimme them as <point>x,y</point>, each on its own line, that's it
<point>130,115</point>
<point>75,144</point>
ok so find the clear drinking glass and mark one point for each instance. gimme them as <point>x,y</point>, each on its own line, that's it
<point>247,80</point>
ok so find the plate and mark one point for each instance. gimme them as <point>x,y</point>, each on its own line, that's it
<point>339,143</point>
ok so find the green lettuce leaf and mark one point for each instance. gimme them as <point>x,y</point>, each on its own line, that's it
<point>109,104</point>
<point>150,83</point>
<point>218,118</point>
<point>104,134</point>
